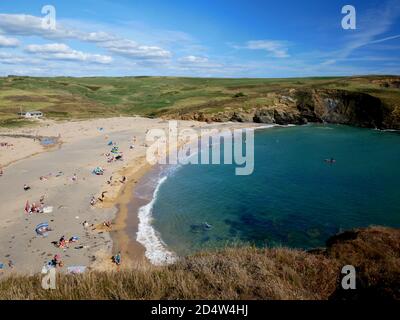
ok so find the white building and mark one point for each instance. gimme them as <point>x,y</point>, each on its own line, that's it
<point>31,114</point>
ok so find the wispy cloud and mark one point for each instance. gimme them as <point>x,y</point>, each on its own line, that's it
<point>274,48</point>
<point>385,39</point>
<point>373,23</point>
<point>12,58</point>
<point>28,25</point>
<point>131,49</point>
<point>60,51</point>
<point>8,42</point>
<point>194,59</point>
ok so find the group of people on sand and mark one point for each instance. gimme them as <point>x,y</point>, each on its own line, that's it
<point>56,261</point>
<point>63,243</point>
<point>34,208</point>
<point>107,224</point>
<point>6,144</point>
<point>122,180</point>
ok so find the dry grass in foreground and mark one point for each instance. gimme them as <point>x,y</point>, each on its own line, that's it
<point>243,273</point>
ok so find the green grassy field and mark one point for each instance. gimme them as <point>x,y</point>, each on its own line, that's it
<point>76,98</point>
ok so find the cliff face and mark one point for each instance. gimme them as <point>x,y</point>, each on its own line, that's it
<point>339,106</point>
<point>314,105</point>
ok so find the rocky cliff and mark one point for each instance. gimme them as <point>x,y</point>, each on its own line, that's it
<point>313,105</point>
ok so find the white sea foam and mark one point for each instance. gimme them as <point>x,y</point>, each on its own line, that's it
<point>156,250</point>
<point>264,126</point>
<point>269,126</point>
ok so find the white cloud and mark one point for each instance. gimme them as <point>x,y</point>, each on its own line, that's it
<point>193,59</point>
<point>8,42</point>
<point>48,48</point>
<point>27,25</point>
<point>275,48</point>
<point>131,49</point>
<point>60,51</point>
<point>8,58</point>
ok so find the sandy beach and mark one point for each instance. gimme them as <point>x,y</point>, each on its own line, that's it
<point>62,175</point>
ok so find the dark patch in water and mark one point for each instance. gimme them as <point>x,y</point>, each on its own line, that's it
<point>205,239</point>
<point>201,227</point>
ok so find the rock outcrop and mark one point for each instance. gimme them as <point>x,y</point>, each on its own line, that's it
<point>313,105</point>
<point>340,106</point>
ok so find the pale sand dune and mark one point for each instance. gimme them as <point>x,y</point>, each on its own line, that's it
<point>83,147</point>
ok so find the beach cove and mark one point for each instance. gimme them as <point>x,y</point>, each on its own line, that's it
<point>62,175</point>
<point>295,198</point>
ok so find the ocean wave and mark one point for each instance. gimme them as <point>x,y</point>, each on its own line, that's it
<point>156,250</point>
<point>273,125</point>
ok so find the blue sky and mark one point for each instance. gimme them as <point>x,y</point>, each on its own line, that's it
<point>209,38</point>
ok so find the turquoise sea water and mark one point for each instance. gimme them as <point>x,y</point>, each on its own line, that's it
<point>293,198</point>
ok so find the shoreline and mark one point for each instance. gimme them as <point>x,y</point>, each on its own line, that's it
<point>127,223</point>
<point>80,148</point>
<point>132,251</point>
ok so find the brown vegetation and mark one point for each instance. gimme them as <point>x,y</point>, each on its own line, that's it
<point>242,273</point>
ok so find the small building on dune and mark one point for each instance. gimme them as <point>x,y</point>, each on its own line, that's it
<point>31,114</point>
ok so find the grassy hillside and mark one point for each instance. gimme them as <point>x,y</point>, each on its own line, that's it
<point>63,98</point>
<point>243,273</point>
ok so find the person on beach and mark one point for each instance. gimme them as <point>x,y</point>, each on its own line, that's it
<point>123,180</point>
<point>62,242</point>
<point>93,201</point>
<point>26,187</point>
<point>117,258</point>
<point>56,262</point>
<point>109,180</point>
<point>102,196</point>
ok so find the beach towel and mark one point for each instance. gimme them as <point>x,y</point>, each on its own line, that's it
<point>42,229</point>
<point>48,209</point>
<point>74,239</point>
<point>115,150</point>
